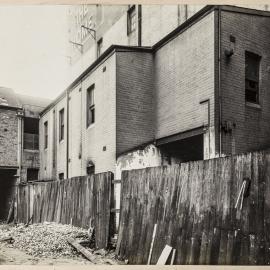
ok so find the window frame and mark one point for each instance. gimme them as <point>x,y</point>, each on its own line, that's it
<point>131,20</point>
<point>45,126</point>
<point>252,58</point>
<point>90,106</point>
<point>61,124</point>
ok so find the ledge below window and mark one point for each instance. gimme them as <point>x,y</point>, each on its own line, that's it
<point>31,150</point>
<point>90,126</point>
<point>253,105</point>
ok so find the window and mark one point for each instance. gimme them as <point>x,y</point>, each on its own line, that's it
<point>61,176</point>
<point>46,135</point>
<point>90,106</point>
<point>61,125</point>
<point>90,170</point>
<point>99,47</point>
<point>131,20</point>
<point>252,70</point>
<point>30,133</point>
<point>32,174</point>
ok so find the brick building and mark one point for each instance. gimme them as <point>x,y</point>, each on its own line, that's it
<point>19,146</point>
<point>195,90</point>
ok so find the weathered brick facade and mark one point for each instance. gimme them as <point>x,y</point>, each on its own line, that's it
<point>250,122</point>
<point>146,95</point>
<point>8,137</point>
<point>135,100</point>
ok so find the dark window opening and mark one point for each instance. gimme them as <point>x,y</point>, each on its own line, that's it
<point>61,125</point>
<point>31,136</point>
<point>46,135</point>
<point>90,106</point>
<point>7,191</point>
<point>252,72</point>
<point>61,176</point>
<point>188,149</point>
<point>99,47</point>
<point>32,174</point>
<point>131,20</point>
<point>90,170</point>
<point>31,125</point>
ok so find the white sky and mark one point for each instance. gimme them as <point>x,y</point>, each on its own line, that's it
<point>33,49</point>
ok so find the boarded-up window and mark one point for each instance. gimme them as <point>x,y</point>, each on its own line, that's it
<point>61,125</point>
<point>90,106</point>
<point>46,135</point>
<point>252,71</point>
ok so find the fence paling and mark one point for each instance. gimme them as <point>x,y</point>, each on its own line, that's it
<point>193,205</point>
<point>77,200</point>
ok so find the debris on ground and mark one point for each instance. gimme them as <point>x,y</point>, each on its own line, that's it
<point>89,255</point>
<point>7,239</point>
<point>50,240</point>
<point>44,240</point>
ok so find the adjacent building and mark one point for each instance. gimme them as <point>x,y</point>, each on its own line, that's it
<point>197,89</point>
<point>19,142</point>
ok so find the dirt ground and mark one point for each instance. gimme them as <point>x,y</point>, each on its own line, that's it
<point>46,244</point>
<point>14,256</point>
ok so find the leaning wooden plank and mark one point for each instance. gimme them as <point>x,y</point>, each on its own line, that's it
<point>164,255</point>
<point>152,243</point>
<point>173,256</point>
<point>81,249</point>
<point>11,212</point>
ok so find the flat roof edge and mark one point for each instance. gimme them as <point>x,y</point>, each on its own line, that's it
<point>177,31</point>
<point>111,50</point>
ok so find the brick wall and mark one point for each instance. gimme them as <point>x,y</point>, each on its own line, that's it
<point>135,100</point>
<point>157,22</point>
<point>47,169</point>
<point>8,137</point>
<point>252,130</point>
<point>184,76</point>
<point>75,131</point>
<point>99,139</point>
<point>97,142</point>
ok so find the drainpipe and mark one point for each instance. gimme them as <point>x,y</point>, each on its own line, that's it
<point>219,81</point>
<point>186,12</point>
<point>20,138</point>
<point>67,157</point>
<point>208,105</point>
<point>139,25</point>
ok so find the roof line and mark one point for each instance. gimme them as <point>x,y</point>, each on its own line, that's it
<point>198,15</point>
<point>8,107</point>
<point>114,48</point>
<point>177,31</point>
<point>97,62</point>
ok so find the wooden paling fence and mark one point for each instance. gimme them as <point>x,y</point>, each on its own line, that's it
<point>78,201</point>
<point>199,210</point>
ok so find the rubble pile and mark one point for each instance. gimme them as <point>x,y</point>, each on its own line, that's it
<point>44,240</point>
